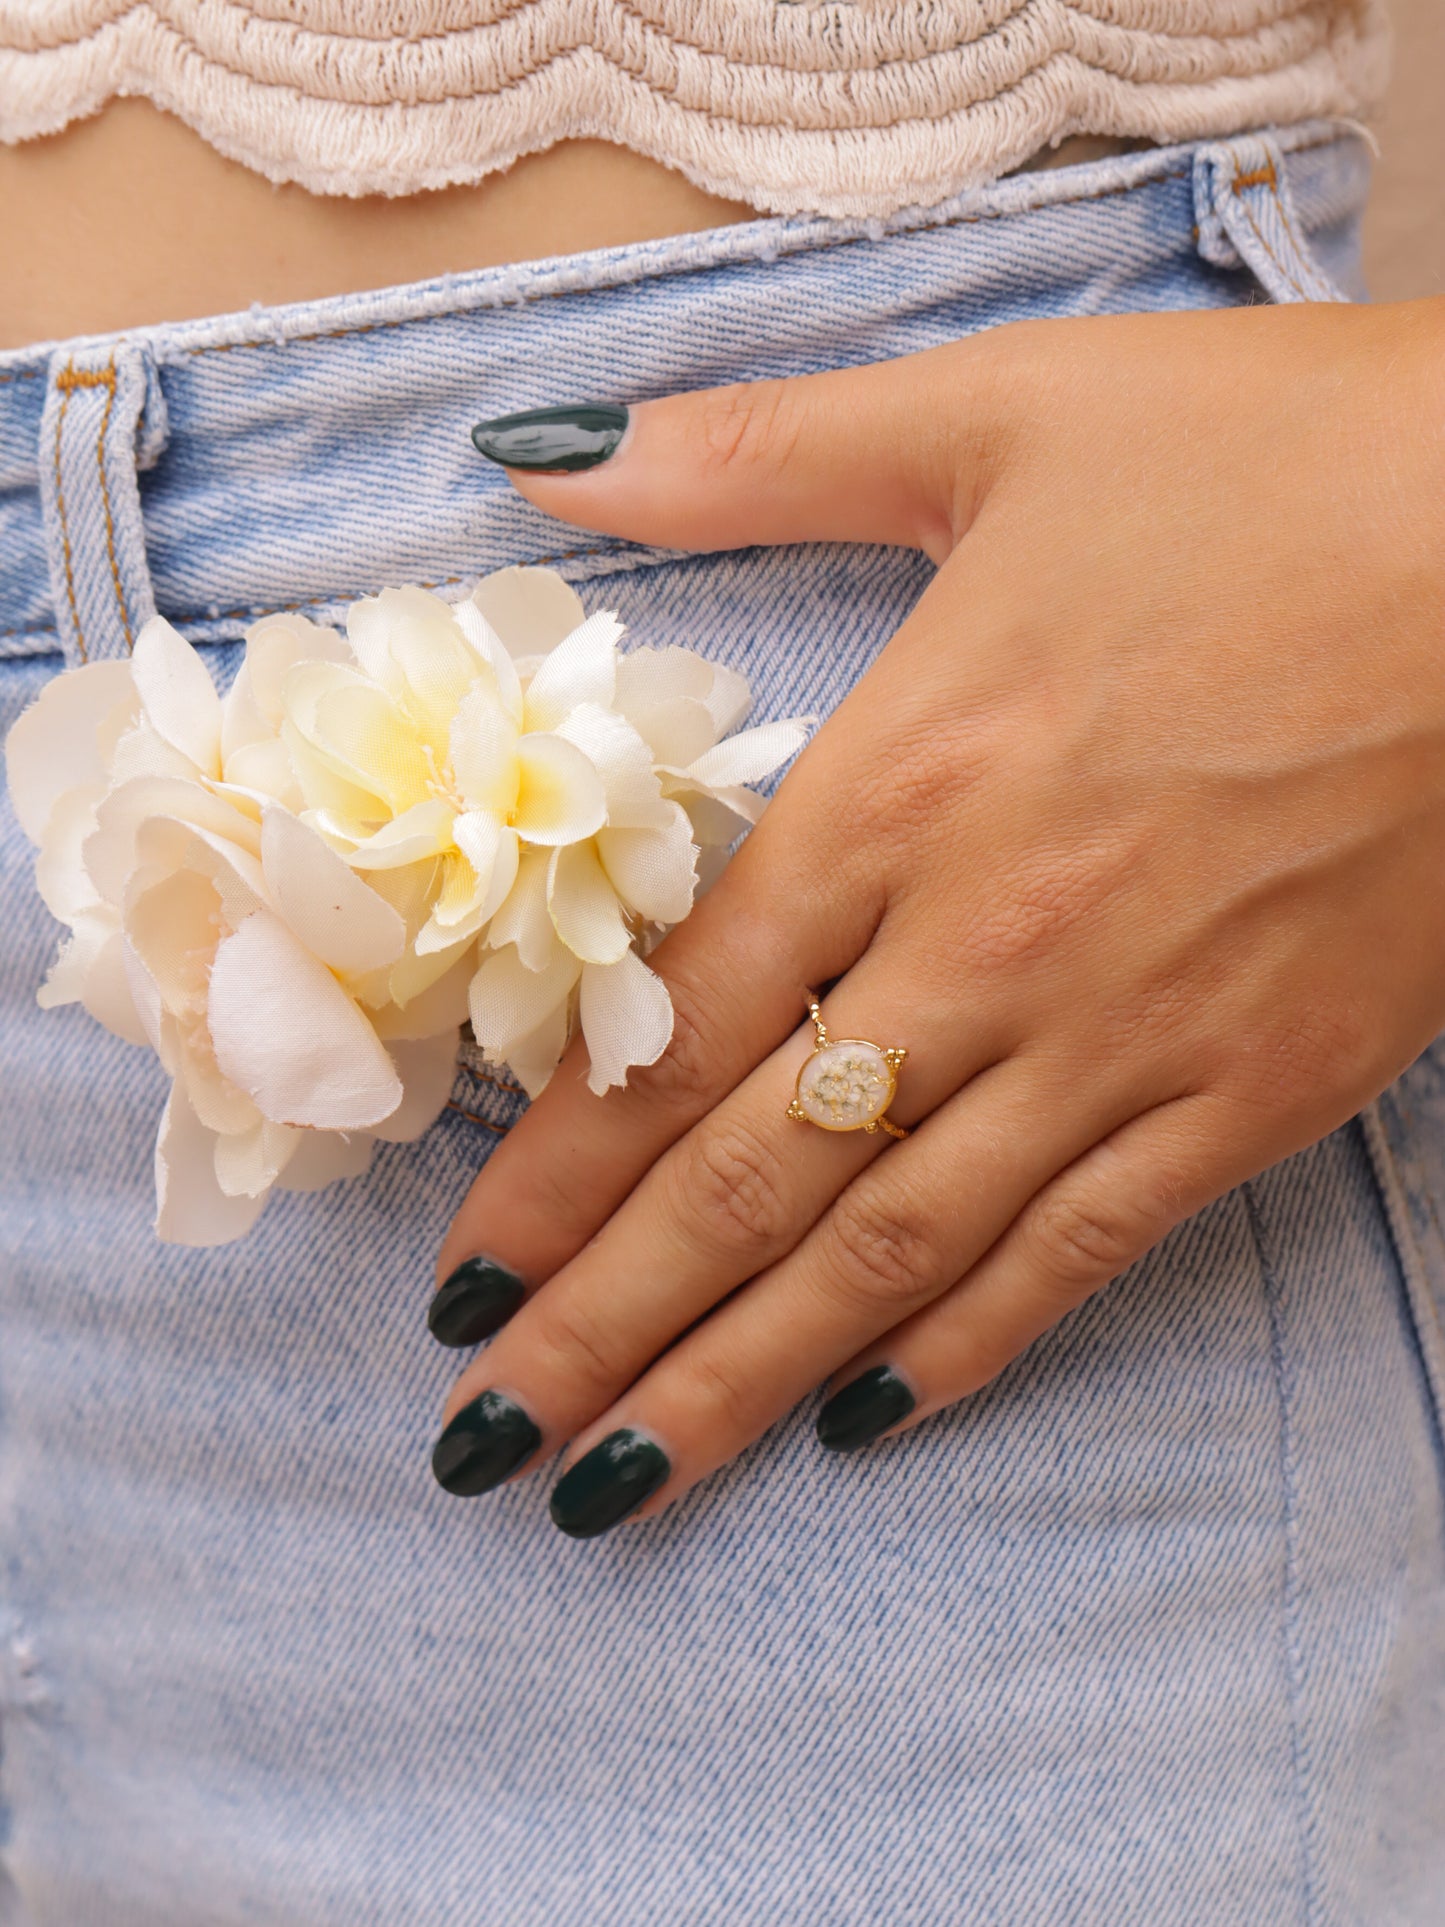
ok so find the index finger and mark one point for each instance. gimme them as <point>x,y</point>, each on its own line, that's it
<point>737,972</point>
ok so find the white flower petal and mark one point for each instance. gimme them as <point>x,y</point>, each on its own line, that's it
<point>561,798</point>
<point>55,745</point>
<point>748,756</point>
<point>286,1033</point>
<point>483,748</point>
<point>427,1006</point>
<point>61,877</point>
<point>676,732</point>
<point>191,1207</point>
<point>719,818</point>
<point>321,1157</point>
<point>493,852</point>
<point>624,762</point>
<point>583,905</point>
<point>427,1068</point>
<point>508,1001</point>
<point>248,1163</point>
<point>523,918</point>
<point>113,851</point>
<point>626,1019</point>
<point>273,648</point>
<point>330,909</point>
<point>487,646</point>
<point>533,1058</point>
<point>177,694</point>
<point>106,992</point>
<point>729,699</point>
<point>581,669</point>
<point>653,871</point>
<point>423,831</point>
<point>530,610</point>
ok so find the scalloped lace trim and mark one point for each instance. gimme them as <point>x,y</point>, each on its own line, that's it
<point>843,107</point>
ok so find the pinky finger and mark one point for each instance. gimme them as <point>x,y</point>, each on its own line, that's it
<point>1089,1224</point>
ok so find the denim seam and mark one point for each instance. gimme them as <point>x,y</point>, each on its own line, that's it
<point>60,414</point>
<point>1394,1193</point>
<point>703,267</point>
<point>475,1117</point>
<point>107,382</point>
<point>1289,1604</point>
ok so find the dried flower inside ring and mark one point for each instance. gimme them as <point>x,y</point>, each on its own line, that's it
<point>847,1083</point>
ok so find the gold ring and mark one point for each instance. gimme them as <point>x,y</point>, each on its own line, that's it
<point>847,1084</point>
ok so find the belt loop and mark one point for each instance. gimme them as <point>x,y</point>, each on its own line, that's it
<point>104,419</point>
<point>1245,215</point>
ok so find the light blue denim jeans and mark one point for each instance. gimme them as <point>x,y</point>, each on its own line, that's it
<point>1152,1631</point>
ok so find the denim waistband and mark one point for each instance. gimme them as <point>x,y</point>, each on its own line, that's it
<point>300,456</point>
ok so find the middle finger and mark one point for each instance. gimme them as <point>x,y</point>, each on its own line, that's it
<point>733,1196</point>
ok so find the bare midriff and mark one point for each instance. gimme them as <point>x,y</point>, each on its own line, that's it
<point>130,218</point>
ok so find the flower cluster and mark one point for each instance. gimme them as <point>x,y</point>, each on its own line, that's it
<point>297,893</point>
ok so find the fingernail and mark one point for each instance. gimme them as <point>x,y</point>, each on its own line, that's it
<point>556,438</point>
<point>608,1483</point>
<point>864,1409</point>
<point>478,1299</point>
<point>484,1444</point>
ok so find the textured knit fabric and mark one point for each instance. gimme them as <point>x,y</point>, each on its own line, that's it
<point>853,108</point>
<point>1149,1634</point>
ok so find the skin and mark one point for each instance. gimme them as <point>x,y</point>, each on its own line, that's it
<point>1154,781</point>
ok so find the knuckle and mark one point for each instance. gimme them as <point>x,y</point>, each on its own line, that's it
<point>1076,1240</point>
<point>750,425</point>
<point>682,1077</point>
<point>549,1194</point>
<point>718,1392</point>
<point>732,1185</point>
<point>571,1340</point>
<point>884,1253</point>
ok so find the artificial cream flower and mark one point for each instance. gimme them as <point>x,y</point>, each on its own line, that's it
<point>503,774</point>
<point>208,921</point>
<point>296,893</point>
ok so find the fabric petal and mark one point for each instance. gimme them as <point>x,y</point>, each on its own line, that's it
<point>177,694</point>
<point>748,756</point>
<point>321,1157</point>
<point>626,1019</point>
<point>523,918</point>
<point>483,751</point>
<point>191,1207</point>
<point>427,1068</point>
<point>331,910</point>
<point>624,762</point>
<point>55,745</point>
<point>112,851</point>
<point>286,1032</point>
<point>653,871</point>
<point>561,798</point>
<point>533,1058</point>
<point>583,905</point>
<point>431,1007</point>
<point>581,669</point>
<point>248,1163</point>
<point>273,648</point>
<point>64,883</point>
<point>530,610</point>
<point>425,830</point>
<point>508,1001</point>
<point>487,646</point>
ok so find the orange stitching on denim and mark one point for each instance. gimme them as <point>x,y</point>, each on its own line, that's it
<point>1261,177</point>
<point>105,378</point>
<point>22,374</point>
<point>489,1077</point>
<point>1299,246</point>
<point>1260,237</point>
<point>557,294</point>
<point>475,1117</point>
<point>65,520</point>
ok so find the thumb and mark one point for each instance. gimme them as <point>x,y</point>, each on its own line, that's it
<point>899,451</point>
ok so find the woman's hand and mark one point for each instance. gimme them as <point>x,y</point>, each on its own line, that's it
<point>1134,835</point>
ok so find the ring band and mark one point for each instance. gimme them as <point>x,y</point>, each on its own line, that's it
<point>847,1083</point>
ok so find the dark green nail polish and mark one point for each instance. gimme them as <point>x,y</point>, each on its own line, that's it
<point>553,438</point>
<point>864,1409</point>
<point>484,1444</point>
<point>611,1481</point>
<point>478,1299</point>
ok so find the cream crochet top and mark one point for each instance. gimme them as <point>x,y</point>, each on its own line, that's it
<point>850,107</point>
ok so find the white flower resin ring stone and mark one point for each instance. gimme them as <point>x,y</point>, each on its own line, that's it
<point>847,1084</point>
